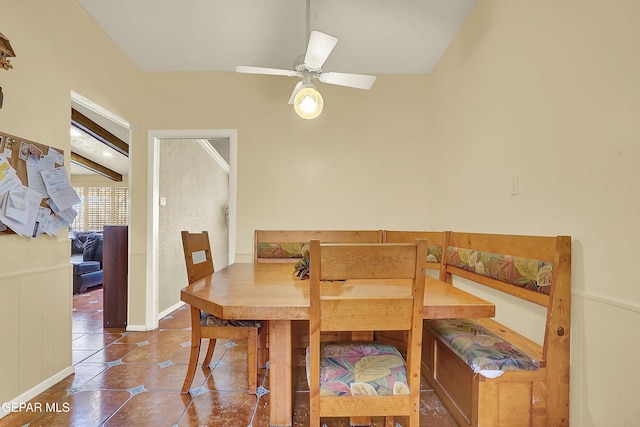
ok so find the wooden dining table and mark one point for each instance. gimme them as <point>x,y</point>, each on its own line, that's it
<point>263,291</point>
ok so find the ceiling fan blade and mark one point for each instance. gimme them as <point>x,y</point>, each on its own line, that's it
<point>262,70</point>
<point>359,81</point>
<point>295,91</point>
<point>319,48</point>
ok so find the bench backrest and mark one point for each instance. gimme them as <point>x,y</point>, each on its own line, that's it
<point>437,241</point>
<point>534,268</point>
<point>286,245</point>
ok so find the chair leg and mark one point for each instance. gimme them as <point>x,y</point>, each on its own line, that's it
<point>209,355</point>
<point>252,360</point>
<point>263,351</point>
<point>388,421</point>
<point>195,350</point>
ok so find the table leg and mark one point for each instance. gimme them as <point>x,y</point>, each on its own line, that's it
<point>280,373</point>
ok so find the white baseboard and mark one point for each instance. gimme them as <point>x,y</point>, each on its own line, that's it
<point>170,309</point>
<point>143,328</point>
<point>5,407</point>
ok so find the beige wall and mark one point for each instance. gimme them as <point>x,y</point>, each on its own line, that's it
<point>35,275</point>
<point>544,90</point>
<point>550,91</point>
<point>342,170</point>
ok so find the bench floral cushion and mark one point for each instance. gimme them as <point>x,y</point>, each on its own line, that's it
<point>434,253</point>
<point>361,369</point>
<point>286,250</point>
<point>527,273</point>
<point>207,319</point>
<point>280,249</point>
<point>484,351</point>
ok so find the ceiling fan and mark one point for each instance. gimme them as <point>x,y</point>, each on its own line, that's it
<point>305,98</point>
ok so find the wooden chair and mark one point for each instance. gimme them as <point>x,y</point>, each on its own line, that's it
<point>340,306</point>
<point>197,256</point>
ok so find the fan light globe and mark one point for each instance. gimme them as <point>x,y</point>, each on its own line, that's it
<point>308,102</point>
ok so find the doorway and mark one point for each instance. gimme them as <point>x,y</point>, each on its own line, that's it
<point>194,196</point>
<point>99,169</point>
<point>181,196</point>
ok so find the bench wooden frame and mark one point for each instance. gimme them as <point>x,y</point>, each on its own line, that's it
<point>434,238</point>
<point>516,398</point>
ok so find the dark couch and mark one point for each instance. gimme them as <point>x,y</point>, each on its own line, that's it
<point>86,257</point>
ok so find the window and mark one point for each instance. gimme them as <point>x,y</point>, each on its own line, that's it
<point>100,206</point>
<point>120,206</point>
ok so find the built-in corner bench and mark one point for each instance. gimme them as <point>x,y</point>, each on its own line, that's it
<point>485,373</point>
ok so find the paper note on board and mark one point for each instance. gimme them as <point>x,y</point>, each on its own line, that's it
<point>55,156</point>
<point>17,205</point>
<point>8,176</point>
<point>60,190</point>
<point>22,203</point>
<point>34,177</point>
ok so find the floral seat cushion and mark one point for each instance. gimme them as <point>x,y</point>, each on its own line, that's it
<point>484,351</point>
<point>207,319</point>
<point>360,368</point>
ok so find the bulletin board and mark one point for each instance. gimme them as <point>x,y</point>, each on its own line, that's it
<point>17,151</point>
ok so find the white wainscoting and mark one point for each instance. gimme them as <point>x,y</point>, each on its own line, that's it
<point>35,331</point>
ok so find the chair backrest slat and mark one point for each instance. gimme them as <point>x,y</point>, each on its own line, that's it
<point>388,314</point>
<point>367,261</point>
<point>354,262</point>
<point>197,255</point>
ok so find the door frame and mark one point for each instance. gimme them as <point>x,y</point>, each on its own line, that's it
<point>153,205</point>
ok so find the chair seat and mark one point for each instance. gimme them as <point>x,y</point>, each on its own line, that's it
<point>360,368</point>
<point>207,319</point>
<point>484,351</point>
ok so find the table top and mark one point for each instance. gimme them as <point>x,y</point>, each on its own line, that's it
<point>271,292</point>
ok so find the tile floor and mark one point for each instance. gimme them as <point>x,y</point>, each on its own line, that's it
<point>134,379</point>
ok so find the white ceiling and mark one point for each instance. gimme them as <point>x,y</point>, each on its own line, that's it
<point>374,36</point>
